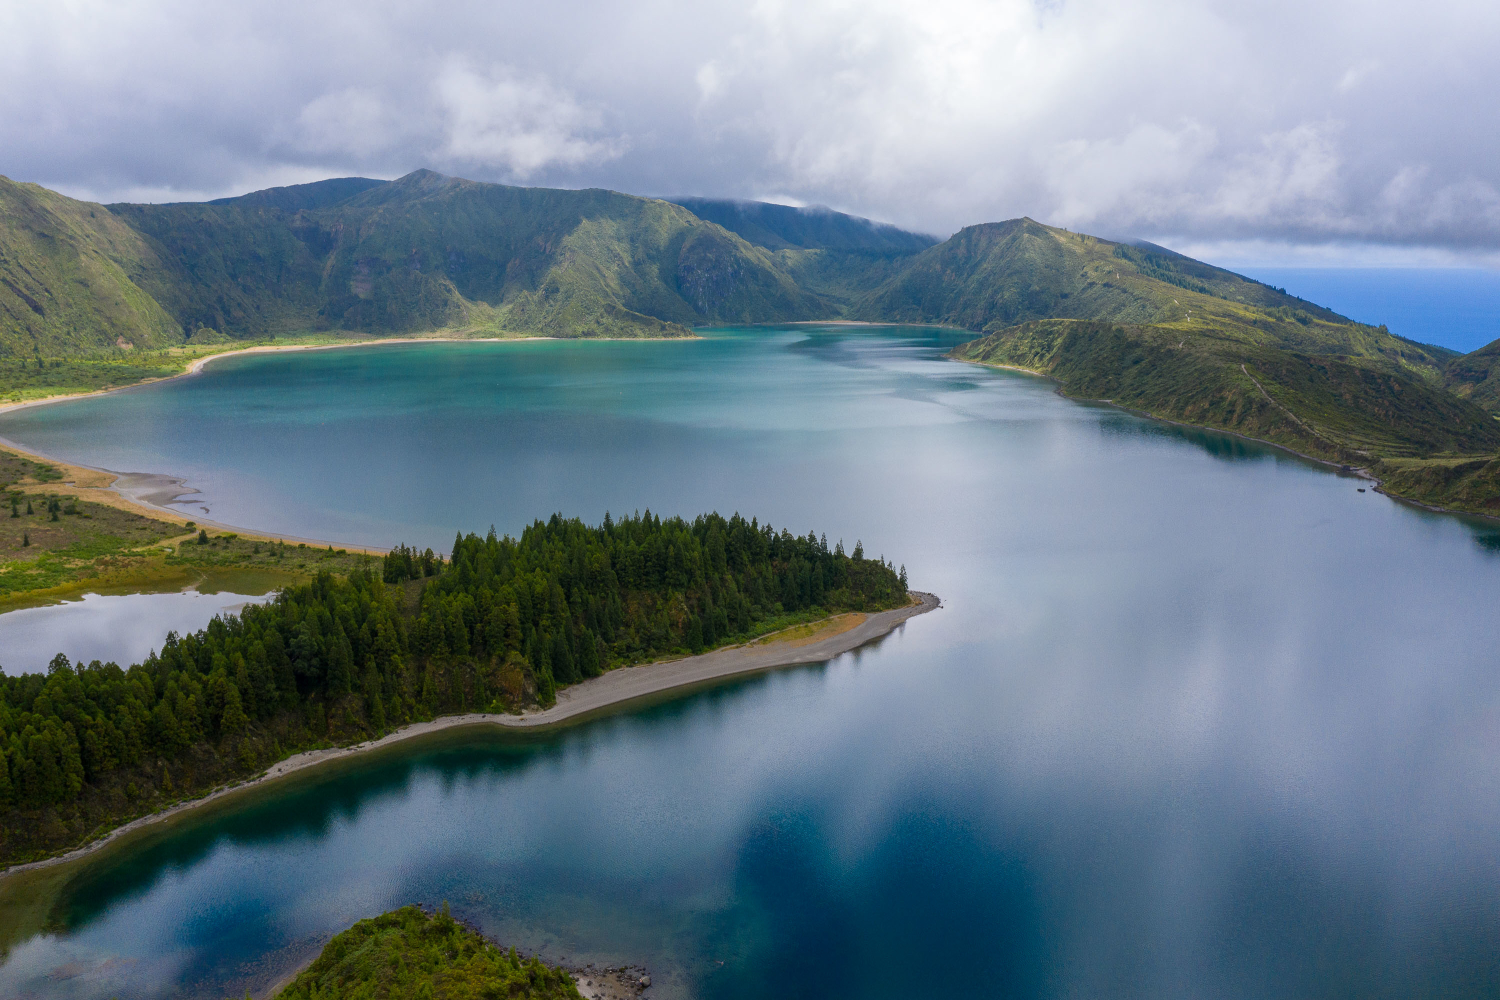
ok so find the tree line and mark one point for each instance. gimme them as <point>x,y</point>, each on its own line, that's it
<point>501,623</point>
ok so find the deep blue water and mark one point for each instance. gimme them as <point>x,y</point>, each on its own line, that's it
<point>1198,718</point>
<point>1457,308</point>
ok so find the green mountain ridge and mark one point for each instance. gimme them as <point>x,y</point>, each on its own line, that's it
<point>1132,322</point>
<point>432,252</point>
<point>294,197</point>
<point>1476,377</point>
<point>1340,408</point>
<point>71,278</point>
<point>782,227</point>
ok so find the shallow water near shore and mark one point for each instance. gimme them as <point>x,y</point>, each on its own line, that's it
<point>1197,718</point>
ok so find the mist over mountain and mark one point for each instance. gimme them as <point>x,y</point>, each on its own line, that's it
<point>783,227</point>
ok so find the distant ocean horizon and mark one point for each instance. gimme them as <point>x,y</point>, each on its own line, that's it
<point>1457,308</point>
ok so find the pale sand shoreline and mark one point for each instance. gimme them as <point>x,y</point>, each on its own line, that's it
<point>612,690</point>
<point>195,366</point>
<point>146,492</point>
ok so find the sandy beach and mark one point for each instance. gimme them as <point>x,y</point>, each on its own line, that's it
<point>610,691</point>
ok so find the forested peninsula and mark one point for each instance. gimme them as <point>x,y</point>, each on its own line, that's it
<point>499,625</point>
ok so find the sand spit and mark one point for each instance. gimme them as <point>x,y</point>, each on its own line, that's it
<point>609,691</point>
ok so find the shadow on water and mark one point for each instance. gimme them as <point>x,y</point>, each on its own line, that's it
<point>308,806</point>
<point>299,807</point>
<point>1234,449</point>
<point>1121,424</point>
<point>931,866</point>
<point>855,347</point>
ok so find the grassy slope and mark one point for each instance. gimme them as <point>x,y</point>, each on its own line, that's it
<point>1179,339</point>
<point>1454,484</point>
<point>70,278</point>
<point>1331,407</point>
<point>408,953</point>
<point>248,270</point>
<point>1476,377</point>
<point>431,252</point>
<point>836,257</point>
<point>993,276</point>
<point>93,545</point>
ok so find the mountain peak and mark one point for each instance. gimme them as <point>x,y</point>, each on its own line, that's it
<point>424,177</point>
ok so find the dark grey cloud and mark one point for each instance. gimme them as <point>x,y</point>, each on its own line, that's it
<point>1272,124</point>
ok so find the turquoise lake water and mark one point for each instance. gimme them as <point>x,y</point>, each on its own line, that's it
<point>1197,718</point>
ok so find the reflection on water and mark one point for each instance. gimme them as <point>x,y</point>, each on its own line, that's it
<point>119,628</point>
<point>1197,718</point>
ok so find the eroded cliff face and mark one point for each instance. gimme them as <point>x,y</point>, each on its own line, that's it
<point>708,271</point>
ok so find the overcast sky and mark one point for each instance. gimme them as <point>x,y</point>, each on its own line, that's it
<point>1297,130</point>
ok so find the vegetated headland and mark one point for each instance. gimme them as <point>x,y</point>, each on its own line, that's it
<point>95,296</point>
<point>63,532</point>
<point>411,953</point>
<point>503,626</point>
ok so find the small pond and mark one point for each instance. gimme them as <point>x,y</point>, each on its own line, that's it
<point>124,628</point>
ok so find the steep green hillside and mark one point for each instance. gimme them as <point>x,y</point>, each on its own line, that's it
<point>1135,323</point>
<point>431,252</point>
<point>1476,377</point>
<point>243,269</point>
<point>1349,409</point>
<point>1454,484</point>
<point>781,227</point>
<point>990,277</point>
<point>1162,333</point>
<point>556,261</point>
<point>70,279</point>
<point>837,257</point>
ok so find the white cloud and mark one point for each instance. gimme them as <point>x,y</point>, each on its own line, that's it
<point>1355,75</point>
<point>503,121</point>
<point>351,121</point>
<point>1275,121</point>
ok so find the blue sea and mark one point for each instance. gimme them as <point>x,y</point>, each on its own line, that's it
<point>1457,308</point>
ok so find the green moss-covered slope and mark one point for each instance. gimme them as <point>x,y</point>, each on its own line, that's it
<point>782,227</point>
<point>1476,377</point>
<point>1454,484</point>
<point>431,252</point>
<point>410,954</point>
<point>1344,408</point>
<point>1135,323</point>
<point>71,278</point>
<point>1011,272</point>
